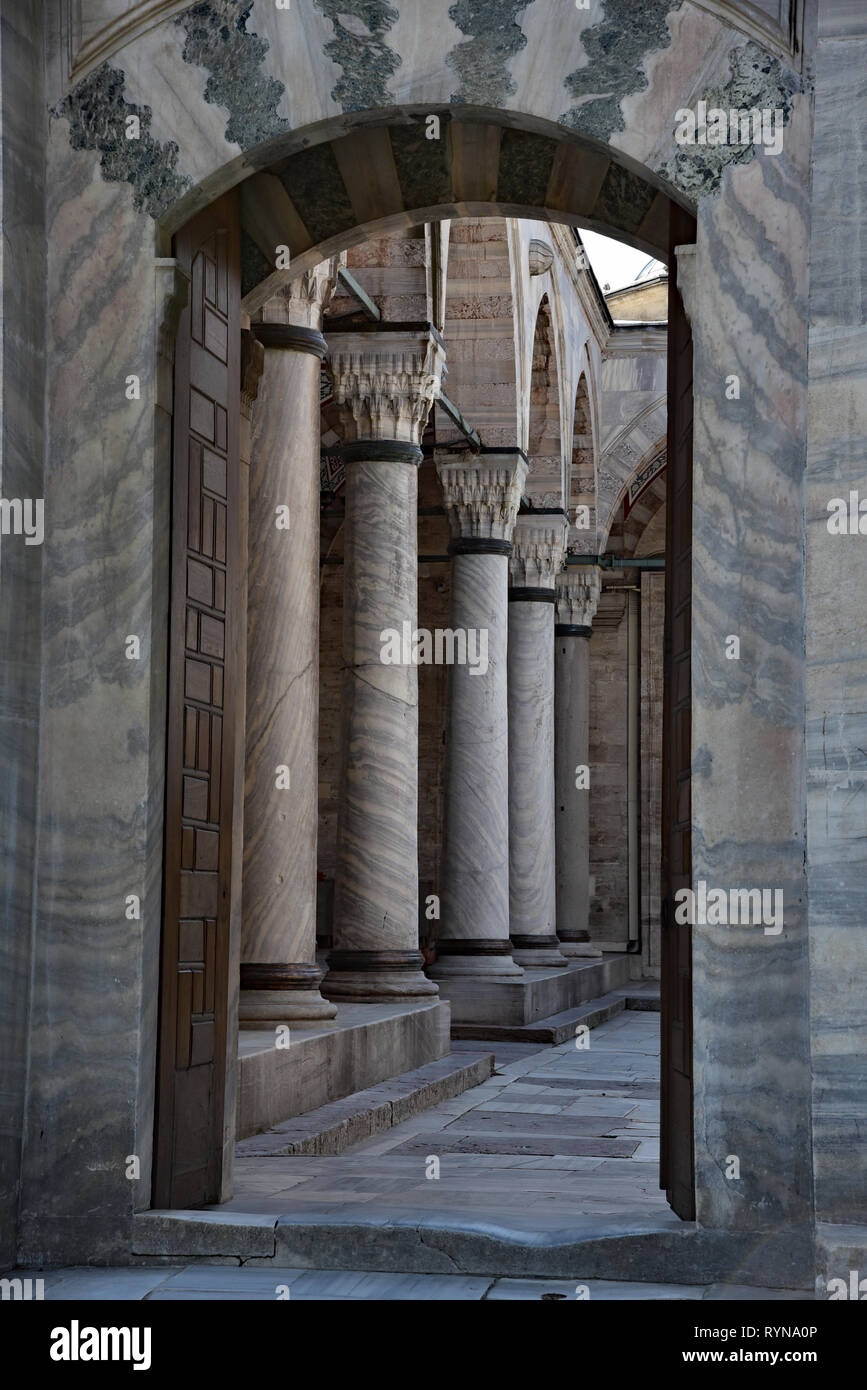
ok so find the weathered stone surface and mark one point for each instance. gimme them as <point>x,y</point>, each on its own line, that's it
<point>205,1233</point>
<point>333,1128</point>
<point>540,994</point>
<point>547,1030</point>
<point>836,574</point>
<point>324,1063</point>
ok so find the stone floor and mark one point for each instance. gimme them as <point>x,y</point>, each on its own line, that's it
<point>556,1133</point>
<point>559,1133</point>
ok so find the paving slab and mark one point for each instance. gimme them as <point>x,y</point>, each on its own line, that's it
<point>526,1144</point>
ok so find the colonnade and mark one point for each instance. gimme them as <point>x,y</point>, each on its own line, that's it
<point>514,887</point>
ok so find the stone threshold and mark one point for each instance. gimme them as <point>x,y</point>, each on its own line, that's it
<point>661,1250</point>
<point>334,1128</point>
<point>559,1028</point>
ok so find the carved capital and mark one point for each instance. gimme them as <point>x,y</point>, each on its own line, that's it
<point>538,547</point>
<point>386,381</point>
<point>578,588</point>
<point>303,301</point>
<point>482,493</point>
<point>252,364</point>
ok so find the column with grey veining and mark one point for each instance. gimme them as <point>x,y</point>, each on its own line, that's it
<point>577,596</point>
<point>385,382</point>
<point>279,975</point>
<point>537,554</point>
<point>481,493</point>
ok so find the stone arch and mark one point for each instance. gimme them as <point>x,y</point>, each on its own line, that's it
<point>639,503</point>
<point>581,491</point>
<point>544,485</point>
<point>631,450</point>
<point>310,193</point>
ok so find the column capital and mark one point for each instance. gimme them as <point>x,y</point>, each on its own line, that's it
<point>482,492</point>
<point>386,380</point>
<point>578,589</point>
<point>302,301</point>
<point>538,547</point>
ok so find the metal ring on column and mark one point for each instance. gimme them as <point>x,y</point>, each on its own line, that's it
<point>522,594</point>
<point>571,630</point>
<point>479,545</point>
<point>292,336</point>
<point>381,451</point>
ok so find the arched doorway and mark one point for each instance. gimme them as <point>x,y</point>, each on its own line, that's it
<point>278,223</point>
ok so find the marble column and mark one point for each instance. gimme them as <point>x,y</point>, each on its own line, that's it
<point>577,591</point>
<point>385,382</point>
<point>537,554</point>
<point>482,493</point>
<point>279,975</point>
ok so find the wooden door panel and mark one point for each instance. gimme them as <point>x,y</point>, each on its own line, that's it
<point>676,1150</point>
<point>191,1074</point>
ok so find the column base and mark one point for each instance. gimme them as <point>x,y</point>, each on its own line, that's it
<point>574,942</point>
<point>275,994</point>
<point>377,976</point>
<point>540,952</point>
<point>480,958</point>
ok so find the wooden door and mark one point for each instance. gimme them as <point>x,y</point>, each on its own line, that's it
<point>676,1150</point>
<point>203,628</point>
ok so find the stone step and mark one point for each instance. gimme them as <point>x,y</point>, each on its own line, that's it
<point>646,1000</point>
<point>536,996</point>
<point>643,995</point>
<point>333,1128</point>
<point>559,1028</point>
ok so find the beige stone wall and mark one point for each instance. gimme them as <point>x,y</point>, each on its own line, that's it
<point>640,303</point>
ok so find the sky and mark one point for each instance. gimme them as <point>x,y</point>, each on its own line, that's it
<point>614,264</point>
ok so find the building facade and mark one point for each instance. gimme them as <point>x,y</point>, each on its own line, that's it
<point>247,250</point>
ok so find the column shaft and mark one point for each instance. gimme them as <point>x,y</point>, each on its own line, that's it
<point>279,975</point>
<point>577,595</point>
<point>532,861</point>
<point>481,494</point>
<point>385,388</point>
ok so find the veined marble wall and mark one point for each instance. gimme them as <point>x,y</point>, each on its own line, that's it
<point>836,654</point>
<point>22,384</point>
<point>222,89</point>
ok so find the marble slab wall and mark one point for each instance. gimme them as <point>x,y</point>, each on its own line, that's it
<point>746,294</point>
<point>22,382</point>
<point>836,646</point>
